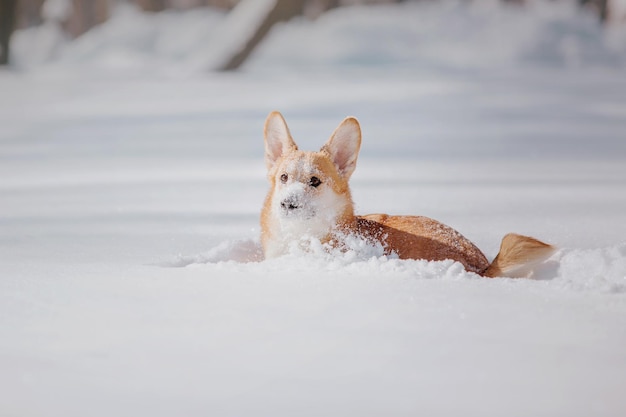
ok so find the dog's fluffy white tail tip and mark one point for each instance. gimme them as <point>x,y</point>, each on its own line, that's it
<point>517,257</point>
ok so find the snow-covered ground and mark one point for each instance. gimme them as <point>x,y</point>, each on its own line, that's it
<point>129,275</point>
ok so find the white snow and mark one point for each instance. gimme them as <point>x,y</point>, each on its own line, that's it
<point>131,281</point>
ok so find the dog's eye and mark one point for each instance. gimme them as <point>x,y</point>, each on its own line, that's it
<point>314,182</point>
<point>284,178</point>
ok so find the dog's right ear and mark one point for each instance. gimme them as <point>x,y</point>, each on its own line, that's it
<point>278,140</point>
<point>343,146</point>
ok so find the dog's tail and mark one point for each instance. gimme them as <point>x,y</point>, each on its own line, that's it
<point>518,254</point>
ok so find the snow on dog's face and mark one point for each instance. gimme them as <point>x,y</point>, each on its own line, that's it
<point>309,192</point>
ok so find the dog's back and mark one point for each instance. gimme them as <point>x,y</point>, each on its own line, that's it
<point>418,237</point>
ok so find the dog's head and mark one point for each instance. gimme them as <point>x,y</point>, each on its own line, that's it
<point>310,189</point>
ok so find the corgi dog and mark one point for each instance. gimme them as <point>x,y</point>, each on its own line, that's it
<point>309,197</point>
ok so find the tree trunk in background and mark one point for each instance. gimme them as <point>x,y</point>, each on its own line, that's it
<point>7,24</point>
<point>153,5</point>
<point>326,4</point>
<point>283,10</point>
<point>221,4</point>
<point>600,7</point>
<point>604,10</point>
<point>86,14</point>
<point>28,13</point>
<point>315,8</point>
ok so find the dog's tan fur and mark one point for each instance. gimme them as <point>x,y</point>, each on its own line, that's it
<point>295,206</point>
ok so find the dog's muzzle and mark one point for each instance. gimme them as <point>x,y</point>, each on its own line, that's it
<point>290,204</point>
<point>296,207</point>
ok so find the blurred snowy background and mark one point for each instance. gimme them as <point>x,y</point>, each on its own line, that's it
<point>132,175</point>
<point>160,36</point>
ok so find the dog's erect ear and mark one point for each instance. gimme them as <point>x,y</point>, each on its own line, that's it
<point>343,146</point>
<point>278,140</point>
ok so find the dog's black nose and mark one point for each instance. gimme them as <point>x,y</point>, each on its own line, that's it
<point>289,204</point>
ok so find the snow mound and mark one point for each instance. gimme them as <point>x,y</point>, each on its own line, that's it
<point>448,35</point>
<point>131,41</point>
<point>601,270</point>
<point>353,249</point>
<point>243,251</point>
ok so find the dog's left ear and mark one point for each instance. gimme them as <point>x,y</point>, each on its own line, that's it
<point>343,146</point>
